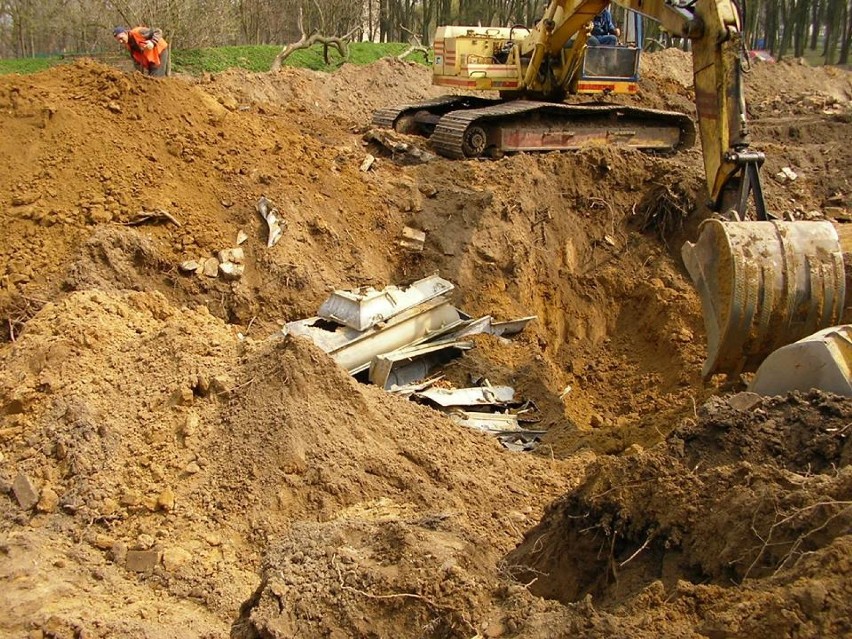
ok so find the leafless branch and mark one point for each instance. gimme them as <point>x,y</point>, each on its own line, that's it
<point>415,45</point>
<point>307,41</point>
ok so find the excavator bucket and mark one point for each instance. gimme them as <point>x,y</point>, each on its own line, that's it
<point>764,285</point>
<point>821,360</point>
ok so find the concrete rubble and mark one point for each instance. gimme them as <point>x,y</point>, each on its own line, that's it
<point>229,264</point>
<point>398,336</point>
<point>412,239</point>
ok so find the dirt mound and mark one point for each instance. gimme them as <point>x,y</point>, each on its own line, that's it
<point>156,434</point>
<point>374,571</point>
<point>166,453</point>
<point>795,88</point>
<point>353,93</point>
<point>797,116</point>
<point>645,523</point>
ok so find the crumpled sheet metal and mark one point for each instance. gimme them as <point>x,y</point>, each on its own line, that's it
<point>475,396</point>
<point>354,350</point>
<point>364,308</point>
<point>269,213</point>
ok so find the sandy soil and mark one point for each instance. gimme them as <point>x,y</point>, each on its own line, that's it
<point>171,466</point>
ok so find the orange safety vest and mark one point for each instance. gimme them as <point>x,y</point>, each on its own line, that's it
<point>145,58</point>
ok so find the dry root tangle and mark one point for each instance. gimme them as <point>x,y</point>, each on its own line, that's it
<point>449,614</point>
<point>17,313</point>
<point>663,211</point>
<point>788,530</point>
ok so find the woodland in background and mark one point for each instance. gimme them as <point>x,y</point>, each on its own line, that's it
<point>30,28</point>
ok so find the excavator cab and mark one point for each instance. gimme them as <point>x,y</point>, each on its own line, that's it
<point>609,70</point>
<point>613,69</point>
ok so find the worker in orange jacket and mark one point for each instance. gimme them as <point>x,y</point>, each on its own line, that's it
<point>148,48</point>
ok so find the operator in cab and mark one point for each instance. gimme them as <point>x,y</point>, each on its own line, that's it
<point>604,30</point>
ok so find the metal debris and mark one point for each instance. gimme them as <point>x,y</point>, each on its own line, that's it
<point>511,327</point>
<point>354,350</point>
<point>504,426</point>
<point>402,334</point>
<point>367,307</point>
<point>154,217</point>
<point>487,422</point>
<point>411,364</point>
<point>477,396</point>
<point>269,213</point>
<point>409,389</point>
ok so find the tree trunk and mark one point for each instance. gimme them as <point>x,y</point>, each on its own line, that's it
<point>816,21</point>
<point>800,28</point>
<point>847,38</point>
<point>752,25</point>
<point>787,28</point>
<point>772,11</point>
<point>835,16</point>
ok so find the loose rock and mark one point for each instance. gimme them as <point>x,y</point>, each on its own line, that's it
<point>25,492</point>
<point>48,502</point>
<point>231,271</point>
<point>142,560</point>
<point>166,500</point>
<point>190,266</point>
<point>744,401</point>
<point>211,267</point>
<point>174,558</point>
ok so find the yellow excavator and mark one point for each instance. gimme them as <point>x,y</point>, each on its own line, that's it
<point>533,69</point>
<point>764,283</point>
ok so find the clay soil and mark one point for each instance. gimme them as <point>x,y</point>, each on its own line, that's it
<point>172,466</point>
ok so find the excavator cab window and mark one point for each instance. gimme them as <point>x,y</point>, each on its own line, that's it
<point>611,62</point>
<point>501,55</point>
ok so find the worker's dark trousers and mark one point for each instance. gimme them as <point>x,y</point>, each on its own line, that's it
<point>162,70</point>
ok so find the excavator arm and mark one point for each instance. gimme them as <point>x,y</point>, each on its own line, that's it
<point>714,29</point>
<point>713,26</point>
<point>764,284</point>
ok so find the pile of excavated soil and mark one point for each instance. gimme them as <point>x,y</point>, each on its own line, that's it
<point>737,526</point>
<point>172,465</point>
<point>353,93</point>
<point>151,431</point>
